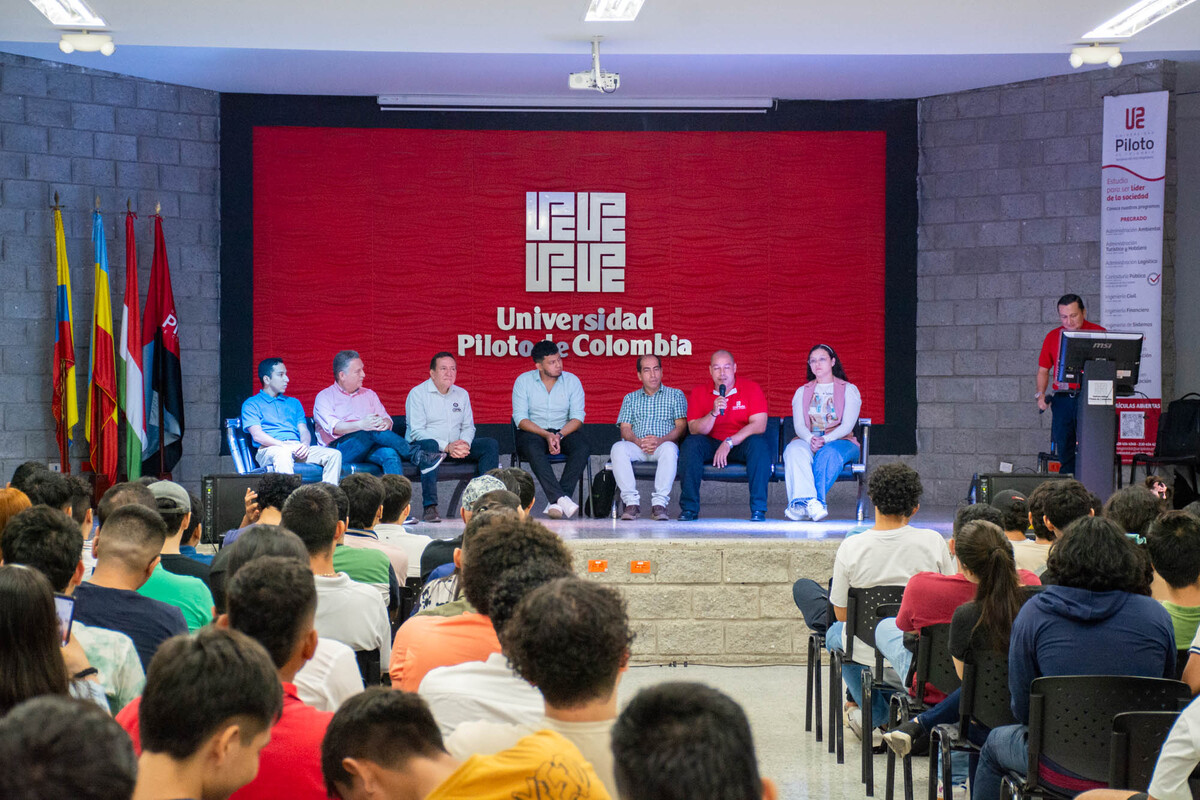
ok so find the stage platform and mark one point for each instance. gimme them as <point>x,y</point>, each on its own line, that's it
<point>717,590</point>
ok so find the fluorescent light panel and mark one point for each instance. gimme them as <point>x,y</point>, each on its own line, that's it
<point>1136,18</point>
<point>613,10</point>
<point>521,104</point>
<point>71,13</point>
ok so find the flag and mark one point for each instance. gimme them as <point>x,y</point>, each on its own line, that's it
<point>65,403</point>
<point>129,386</point>
<point>100,425</point>
<point>160,360</point>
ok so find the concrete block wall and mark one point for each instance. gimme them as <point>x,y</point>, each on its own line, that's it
<point>85,134</point>
<point>1009,181</point>
<point>721,602</point>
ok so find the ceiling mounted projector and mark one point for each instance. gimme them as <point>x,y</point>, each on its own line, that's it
<point>595,78</point>
<point>86,42</point>
<point>1095,54</point>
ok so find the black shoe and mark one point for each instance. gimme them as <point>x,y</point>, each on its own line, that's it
<point>427,461</point>
<point>688,516</point>
<point>431,514</point>
<point>758,516</point>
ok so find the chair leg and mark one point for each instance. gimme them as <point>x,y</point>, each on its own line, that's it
<point>817,694</point>
<point>947,757</point>
<point>868,729</point>
<point>893,718</point>
<point>935,744</point>
<point>812,669</point>
<point>836,732</point>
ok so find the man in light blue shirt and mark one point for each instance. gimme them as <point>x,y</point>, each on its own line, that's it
<point>439,419</point>
<point>548,411</point>
<point>276,424</point>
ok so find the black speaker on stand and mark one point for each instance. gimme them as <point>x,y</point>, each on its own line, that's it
<point>986,485</point>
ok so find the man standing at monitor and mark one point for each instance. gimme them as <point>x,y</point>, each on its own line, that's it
<point>1061,400</point>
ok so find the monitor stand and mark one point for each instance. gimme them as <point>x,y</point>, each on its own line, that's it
<point>1096,427</point>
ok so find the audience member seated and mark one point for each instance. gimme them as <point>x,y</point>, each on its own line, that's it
<point>507,559</point>
<point>12,502</point>
<point>452,633</point>
<point>49,541</point>
<point>56,747</point>
<point>264,504</point>
<point>1134,508</point>
<point>33,660</point>
<point>272,600</point>
<point>442,596</point>
<point>888,554</point>
<point>175,506</point>
<point>24,471</point>
<point>1173,542</point>
<point>520,483</point>
<point>81,512</point>
<point>569,638</point>
<point>1096,620</point>
<point>365,494</point>
<point>193,533</point>
<point>1014,513</point>
<point>46,488</point>
<point>397,501</point>
<point>368,567</point>
<point>384,743</point>
<point>127,552</point>
<point>348,611</point>
<point>680,741</point>
<point>1159,487</point>
<point>206,714</point>
<point>189,594</point>
<point>441,551</point>
<point>331,676</point>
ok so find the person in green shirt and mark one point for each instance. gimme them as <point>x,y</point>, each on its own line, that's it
<point>1173,540</point>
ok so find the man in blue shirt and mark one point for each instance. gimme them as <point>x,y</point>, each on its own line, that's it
<point>276,423</point>
<point>548,411</point>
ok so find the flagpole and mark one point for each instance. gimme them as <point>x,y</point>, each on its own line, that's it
<point>162,427</point>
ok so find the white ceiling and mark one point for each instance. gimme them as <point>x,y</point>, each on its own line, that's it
<point>776,48</point>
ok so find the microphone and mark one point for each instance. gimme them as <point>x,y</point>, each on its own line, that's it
<point>721,389</point>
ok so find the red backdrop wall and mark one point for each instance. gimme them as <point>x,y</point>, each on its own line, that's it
<point>396,242</point>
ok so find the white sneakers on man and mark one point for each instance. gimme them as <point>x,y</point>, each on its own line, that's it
<point>565,507</point>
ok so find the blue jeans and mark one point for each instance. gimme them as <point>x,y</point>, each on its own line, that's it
<point>1006,748</point>
<point>828,463</point>
<point>698,450</point>
<point>1063,433</point>
<point>889,640</point>
<point>852,677</point>
<point>385,448</point>
<point>485,453</point>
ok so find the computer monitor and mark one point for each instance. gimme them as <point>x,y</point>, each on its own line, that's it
<point>1077,347</point>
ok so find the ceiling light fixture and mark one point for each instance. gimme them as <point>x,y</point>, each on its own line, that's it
<point>71,13</point>
<point>1095,54</point>
<point>86,42</point>
<point>613,10</point>
<point>1137,17</point>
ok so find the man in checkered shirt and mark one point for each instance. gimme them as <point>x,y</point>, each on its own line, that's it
<point>653,420</point>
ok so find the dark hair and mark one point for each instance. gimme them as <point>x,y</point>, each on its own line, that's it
<point>54,747</point>
<point>147,480</point>
<point>81,497</point>
<point>838,371</point>
<point>648,355</point>
<point>973,512</point>
<point>499,546</point>
<point>24,471</point>
<point>541,349</point>
<point>274,488</point>
<point>1015,516</point>
<point>364,495</point>
<point>1173,542</point>
<point>1134,508</point>
<point>48,488</point>
<point>134,535</point>
<point>311,514</point>
<point>272,600</point>
<point>1068,299</point>
<point>31,662</point>
<point>197,513</point>
<point>433,361</point>
<point>256,542</point>
<point>481,520</point>
<point>266,367</point>
<point>1095,554</point>
<point>341,501</point>
<point>397,493</point>
<point>678,741</point>
<point>123,494</point>
<point>44,539</point>
<point>512,586</point>
<point>342,360</point>
<point>1065,501</point>
<point>1152,480</point>
<point>895,489</point>
<point>982,548</point>
<point>1035,504</point>
<point>198,684</point>
<point>569,638</point>
<point>496,499</point>
<point>172,516</point>
<point>517,481</point>
<point>505,476</point>
<point>380,725</point>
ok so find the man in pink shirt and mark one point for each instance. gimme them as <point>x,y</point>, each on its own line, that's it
<point>353,420</point>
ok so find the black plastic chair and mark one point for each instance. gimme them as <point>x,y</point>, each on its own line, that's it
<point>1071,719</point>
<point>1181,450</point>
<point>1137,739</point>
<point>812,698</point>
<point>861,605</point>
<point>932,666</point>
<point>984,702</point>
<point>368,666</point>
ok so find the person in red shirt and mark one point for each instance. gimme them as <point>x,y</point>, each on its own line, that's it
<point>726,421</point>
<point>273,600</point>
<point>1061,401</point>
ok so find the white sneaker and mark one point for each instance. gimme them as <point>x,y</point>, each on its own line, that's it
<point>854,720</point>
<point>553,511</point>
<point>816,510</point>
<point>796,511</point>
<point>569,507</point>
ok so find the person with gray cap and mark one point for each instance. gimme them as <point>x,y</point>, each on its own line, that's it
<point>1030,553</point>
<point>185,590</point>
<point>175,507</point>
<point>440,552</point>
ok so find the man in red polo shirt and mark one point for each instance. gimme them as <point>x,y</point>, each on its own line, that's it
<point>726,421</point>
<point>1061,401</point>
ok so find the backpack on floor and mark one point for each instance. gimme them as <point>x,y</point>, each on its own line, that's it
<point>598,504</point>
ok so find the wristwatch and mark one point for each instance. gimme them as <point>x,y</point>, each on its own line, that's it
<point>729,441</point>
<point>1038,396</point>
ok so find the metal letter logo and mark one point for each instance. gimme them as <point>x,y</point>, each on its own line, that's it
<point>575,242</point>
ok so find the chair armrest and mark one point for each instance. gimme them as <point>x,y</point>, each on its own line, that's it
<point>237,446</point>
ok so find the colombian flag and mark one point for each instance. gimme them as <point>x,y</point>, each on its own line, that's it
<point>100,426</point>
<point>64,404</point>
<point>130,389</point>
